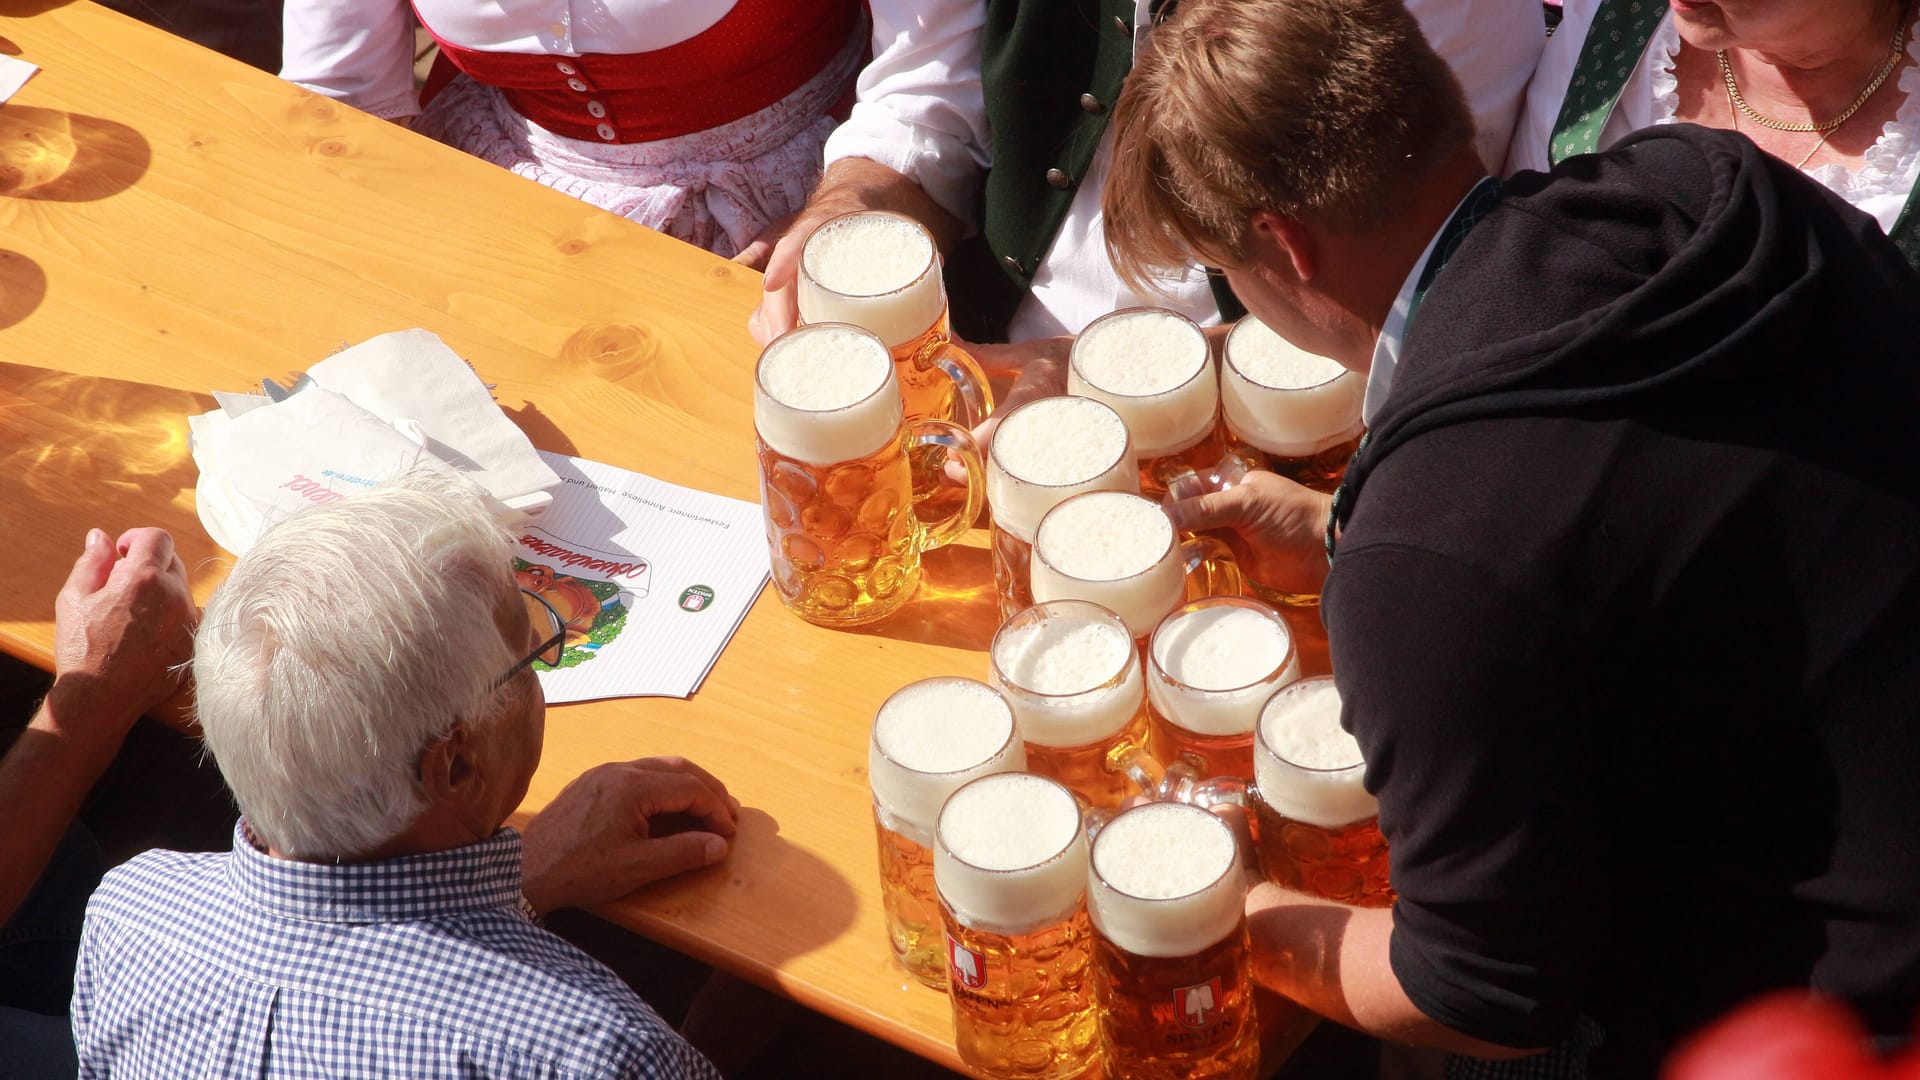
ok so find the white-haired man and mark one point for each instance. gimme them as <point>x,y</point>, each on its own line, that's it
<point>364,683</point>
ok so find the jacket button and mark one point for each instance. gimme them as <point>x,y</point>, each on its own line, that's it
<point>1092,105</point>
<point>1122,25</point>
<point>605,131</point>
<point>596,110</point>
<point>1058,179</point>
<point>1014,265</point>
<point>577,86</point>
<point>564,67</point>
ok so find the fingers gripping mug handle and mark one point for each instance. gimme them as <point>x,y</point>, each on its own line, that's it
<point>958,441</point>
<point>976,397</point>
<point>1211,568</point>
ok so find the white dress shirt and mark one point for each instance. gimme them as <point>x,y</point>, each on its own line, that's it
<point>1393,332</point>
<point>921,112</point>
<point>361,51</point>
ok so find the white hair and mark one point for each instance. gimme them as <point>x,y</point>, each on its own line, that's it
<point>349,638</point>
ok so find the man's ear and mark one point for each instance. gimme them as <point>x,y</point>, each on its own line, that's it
<point>1280,244</point>
<point>447,766</point>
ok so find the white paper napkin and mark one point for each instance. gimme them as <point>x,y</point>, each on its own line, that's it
<point>14,74</point>
<point>398,402</point>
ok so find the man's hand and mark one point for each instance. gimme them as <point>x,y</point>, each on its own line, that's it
<point>123,629</point>
<point>1276,528</point>
<point>622,826</point>
<point>848,185</point>
<point>1019,373</point>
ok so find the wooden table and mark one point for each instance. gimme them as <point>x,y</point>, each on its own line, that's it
<point>173,222</point>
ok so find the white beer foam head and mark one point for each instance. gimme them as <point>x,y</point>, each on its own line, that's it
<point>1113,548</point>
<point>875,270</point>
<point>825,394</point>
<point>929,738</point>
<point>1011,854</point>
<point>1070,671</point>
<point>1050,449</point>
<point>1225,658</point>
<point>1166,880</point>
<point>1155,368</point>
<point>1306,766</point>
<point>1283,399</point>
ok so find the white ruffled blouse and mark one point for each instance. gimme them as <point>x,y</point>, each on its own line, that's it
<point>1878,188</point>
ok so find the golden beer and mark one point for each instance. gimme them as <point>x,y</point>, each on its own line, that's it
<point>1120,550</point>
<point>836,485</point>
<point>881,272</point>
<point>1043,453</point>
<point>1155,368</point>
<point>1173,970</point>
<point>1072,674</point>
<point>1211,667</point>
<point>929,738</point>
<point>1010,863</point>
<point>1316,825</point>
<point>1288,410</point>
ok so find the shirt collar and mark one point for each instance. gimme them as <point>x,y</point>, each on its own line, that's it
<point>478,877</point>
<point>1386,348</point>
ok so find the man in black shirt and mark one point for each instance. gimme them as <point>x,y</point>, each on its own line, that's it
<point>1624,594</point>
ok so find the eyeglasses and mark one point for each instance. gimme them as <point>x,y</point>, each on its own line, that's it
<point>539,614</point>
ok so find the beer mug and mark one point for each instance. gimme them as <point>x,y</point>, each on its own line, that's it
<point>929,738</point>
<point>1044,452</point>
<point>881,272</point>
<point>1300,412</point>
<point>1155,369</point>
<point>1315,825</point>
<point>1072,674</point>
<point>1172,963</point>
<point>1211,667</point>
<point>1010,864</point>
<point>1120,551</point>
<point>835,483</point>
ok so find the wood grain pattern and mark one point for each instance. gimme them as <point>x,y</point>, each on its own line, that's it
<point>172,222</point>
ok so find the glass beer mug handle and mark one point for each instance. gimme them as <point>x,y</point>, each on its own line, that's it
<point>1191,483</point>
<point>958,441</point>
<point>1211,568</point>
<point>969,382</point>
<point>1155,781</point>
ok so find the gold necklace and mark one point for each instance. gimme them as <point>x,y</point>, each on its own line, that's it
<point>1733,124</point>
<point>1893,60</point>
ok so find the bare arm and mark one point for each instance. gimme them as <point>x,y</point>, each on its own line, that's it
<point>1332,958</point>
<point>123,624</point>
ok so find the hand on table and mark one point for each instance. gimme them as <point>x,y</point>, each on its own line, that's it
<point>1276,528</point>
<point>622,826</point>
<point>123,629</point>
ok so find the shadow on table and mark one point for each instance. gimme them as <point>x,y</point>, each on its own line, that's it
<point>821,904</point>
<point>538,427</point>
<point>956,607</point>
<point>84,451</point>
<point>22,286</point>
<point>67,157</point>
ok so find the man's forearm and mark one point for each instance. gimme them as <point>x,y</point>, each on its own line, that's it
<point>44,778</point>
<point>1332,958</point>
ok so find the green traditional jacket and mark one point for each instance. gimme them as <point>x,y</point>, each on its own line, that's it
<point>1051,71</point>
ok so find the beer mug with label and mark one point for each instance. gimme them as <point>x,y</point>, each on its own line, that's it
<point>836,485</point>
<point>1172,965</point>
<point>881,272</point>
<point>1155,368</point>
<point>1043,453</point>
<point>1120,550</point>
<point>1010,863</point>
<point>929,738</point>
<point>1211,667</point>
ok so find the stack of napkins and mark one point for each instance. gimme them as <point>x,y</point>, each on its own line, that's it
<point>367,414</point>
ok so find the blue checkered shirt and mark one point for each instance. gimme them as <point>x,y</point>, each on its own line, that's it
<point>243,965</point>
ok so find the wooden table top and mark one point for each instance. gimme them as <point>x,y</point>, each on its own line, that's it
<point>173,222</point>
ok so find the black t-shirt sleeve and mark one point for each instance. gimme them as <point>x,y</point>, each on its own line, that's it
<point>1458,685</point>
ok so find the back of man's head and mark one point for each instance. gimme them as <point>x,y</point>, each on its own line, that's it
<point>1321,110</point>
<point>350,637</point>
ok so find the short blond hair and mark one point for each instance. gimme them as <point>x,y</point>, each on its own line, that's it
<point>1322,110</point>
